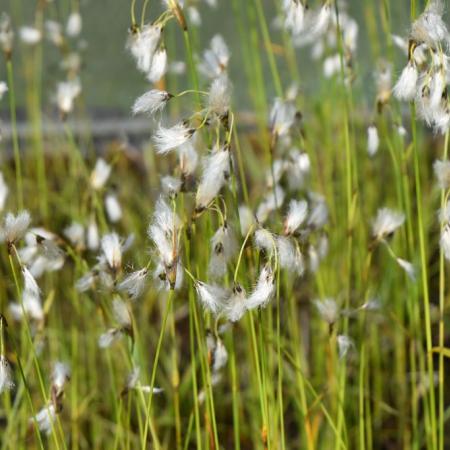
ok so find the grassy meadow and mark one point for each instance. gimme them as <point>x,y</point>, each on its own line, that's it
<point>265,266</point>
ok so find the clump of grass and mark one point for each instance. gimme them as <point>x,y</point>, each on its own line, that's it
<point>275,283</point>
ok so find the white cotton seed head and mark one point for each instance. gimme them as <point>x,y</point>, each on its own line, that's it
<point>171,186</point>
<point>332,65</point>
<point>373,140</point>
<point>297,212</point>
<point>188,157</point>
<point>142,45</point>
<point>113,208</point>
<point>223,248</point>
<point>445,241</point>
<point>30,285</point>
<point>318,216</point>
<point>272,201</point>
<point>264,240</point>
<point>386,222</point>
<point>406,87</point>
<point>66,93</point>
<point>263,290</point>
<point>106,339</point>
<point>75,233</point>
<point>328,310</point>
<point>215,59</point>
<point>45,419</point>
<point>60,376</point>
<point>134,283</point>
<point>294,16</point>
<point>442,172</point>
<point>6,382</point>
<point>212,297</point>
<point>151,102</point>
<point>92,236</point>
<point>345,344</point>
<point>158,66</point>
<point>407,267</point>
<point>246,219</point>
<point>100,174</point>
<point>3,89</point>
<point>220,357</point>
<point>112,250</point>
<point>6,33</point>
<point>195,18</point>
<point>216,172</point>
<point>321,22</point>
<point>15,227</point>
<point>74,24</point>
<point>167,139</point>
<point>121,312</point>
<point>282,116</point>
<point>289,255</point>
<point>220,95</point>
<point>236,305</point>
<point>86,282</point>
<point>30,35</point>
<point>430,28</point>
<point>54,32</point>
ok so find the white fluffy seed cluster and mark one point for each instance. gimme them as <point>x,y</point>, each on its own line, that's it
<point>425,77</point>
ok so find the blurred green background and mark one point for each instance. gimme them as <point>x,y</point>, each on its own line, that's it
<point>110,79</point>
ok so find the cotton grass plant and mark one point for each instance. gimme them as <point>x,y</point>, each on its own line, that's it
<point>278,284</point>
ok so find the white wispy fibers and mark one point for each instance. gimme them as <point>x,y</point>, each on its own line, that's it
<point>220,95</point>
<point>264,289</point>
<point>74,24</point>
<point>6,381</point>
<point>236,306</point>
<point>407,267</point>
<point>45,418</point>
<point>442,172</point>
<point>212,297</point>
<point>328,310</point>
<point>264,240</point>
<point>113,208</point>
<point>216,172</point>
<point>429,27</point>
<point>167,139</point>
<point>60,376</point>
<point>273,200</point>
<point>386,222</point>
<point>406,86</point>
<point>294,11</point>
<point>30,35</point>
<point>66,93</point>
<point>112,250</point>
<point>151,102</point>
<point>220,356</point>
<point>297,212</point>
<point>373,140</point>
<point>134,283</point>
<point>345,344</point>
<point>100,174</point>
<point>215,59</point>
<point>282,116</point>
<point>246,219</point>
<point>289,255</point>
<point>223,248</point>
<point>75,233</point>
<point>142,45</point>
<point>445,241</point>
<point>15,227</point>
<point>158,67</point>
